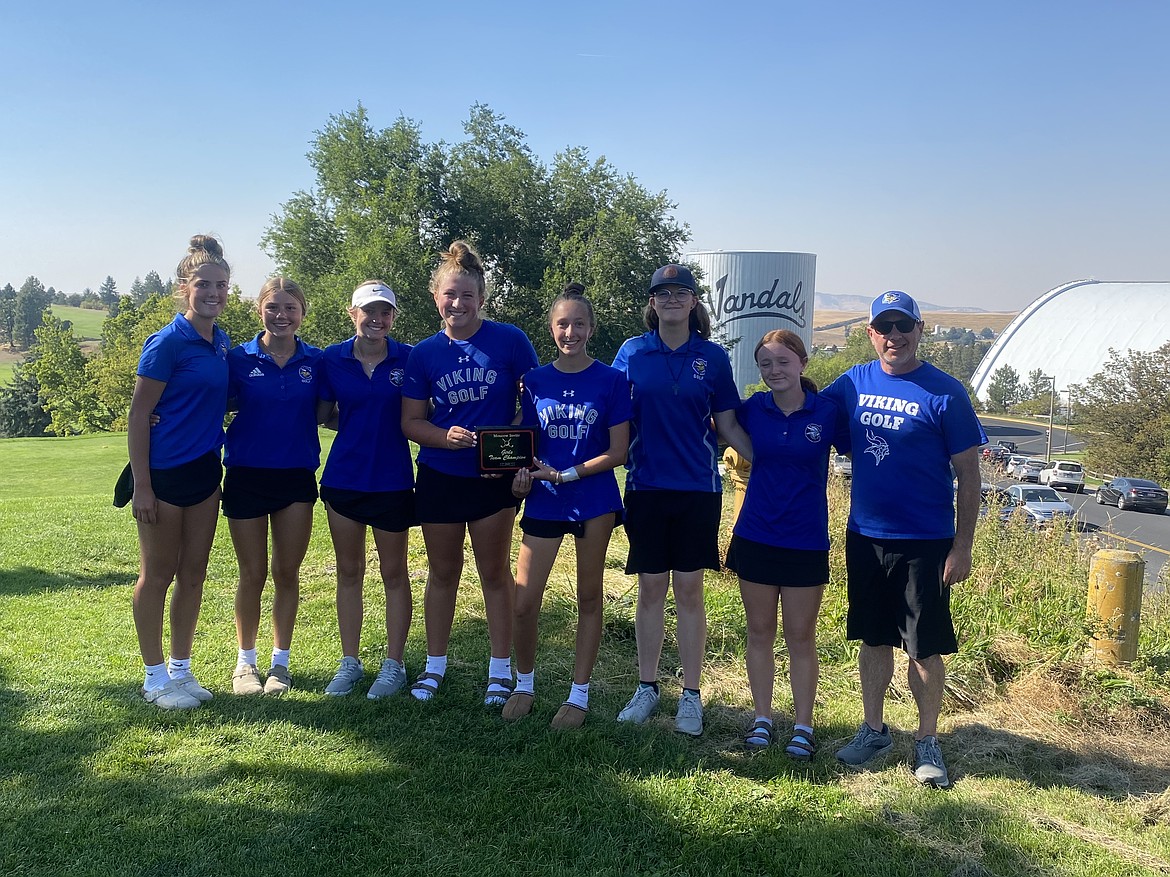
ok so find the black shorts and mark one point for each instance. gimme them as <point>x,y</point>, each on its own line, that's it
<point>184,485</point>
<point>543,529</point>
<point>455,499</point>
<point>672,530</point>
<point>781,567</point>
<point>389,510</point>
<point>897,596</point>
<point>251,492</point>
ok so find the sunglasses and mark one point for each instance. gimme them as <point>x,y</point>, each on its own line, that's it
<point>668,294</point>
<point>884,327</point>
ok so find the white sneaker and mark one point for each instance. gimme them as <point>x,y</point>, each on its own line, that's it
<point>641,705</point>
<point>349,672</point>
<point>689,718</point>
<point>170,697</point>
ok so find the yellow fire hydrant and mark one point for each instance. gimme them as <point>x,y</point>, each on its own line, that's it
<point>1115,604</point>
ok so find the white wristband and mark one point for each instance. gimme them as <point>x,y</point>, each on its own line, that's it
<point>568,475</point>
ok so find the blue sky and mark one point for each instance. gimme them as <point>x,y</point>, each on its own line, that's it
<point>972,154</point>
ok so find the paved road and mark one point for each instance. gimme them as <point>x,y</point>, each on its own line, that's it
<point>1147,534</point>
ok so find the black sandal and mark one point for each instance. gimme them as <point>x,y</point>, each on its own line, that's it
<point>760,736</point>
<point>802,746</point>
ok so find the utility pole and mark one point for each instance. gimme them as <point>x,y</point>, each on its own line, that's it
<point>1051,411</point>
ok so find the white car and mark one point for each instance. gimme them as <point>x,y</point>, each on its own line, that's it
<point>1029,470</point>
<point>1012,463</point>
<point>1064,473</point>
<point>1042,505</point>
<point>842,465</point>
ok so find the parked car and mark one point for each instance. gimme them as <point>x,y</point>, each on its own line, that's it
<point>1063,473</point>
<point>992,498</point>
<point>1042,505</point>
<point>842,465</point>
<point>1011,446</point>
<point>1012,462</point>
<point>995,453</point>
<point>1133,493</point>
<point>1029,470</point>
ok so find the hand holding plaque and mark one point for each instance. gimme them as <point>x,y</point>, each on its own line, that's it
<point>505,448</point>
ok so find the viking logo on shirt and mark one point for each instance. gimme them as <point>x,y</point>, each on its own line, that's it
<point>456,384</point>
<point>306,373</point>
<point>397,376</point>
<point>699,367</point>
<point>878,446</point>
<point>812,432</point>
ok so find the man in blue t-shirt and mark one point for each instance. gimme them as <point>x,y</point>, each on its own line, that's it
<point>909,424</point>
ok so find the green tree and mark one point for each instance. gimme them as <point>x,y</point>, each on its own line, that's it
<point>108,293</point>
<point>152,285</point>
<point>1125,411</point>
<point>8,315</point>
<point>824,368</point>
<point>58,365</point>
<point>21,413</point>
<point>110,373</point>
<point>31,303</point>
<point>1003,390</point>
<point>385,202</point>
<point>239,318</point>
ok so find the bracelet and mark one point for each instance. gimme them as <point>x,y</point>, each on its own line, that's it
<point>569,475</point>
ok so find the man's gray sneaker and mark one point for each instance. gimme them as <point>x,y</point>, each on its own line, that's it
<point>689,718</point>
<point>866,746</point>
<point>641,705</point>
<point>391,679</point>
<point>348,673</point>
<point>929,767</point>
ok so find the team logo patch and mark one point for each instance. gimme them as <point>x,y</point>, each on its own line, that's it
<point>699,367</point>
<point>889,298</point>
<point>878,446</point>
<point>256,373</point>
<point>306,373</point>
<point>812,432</point>
<point>397,376</point>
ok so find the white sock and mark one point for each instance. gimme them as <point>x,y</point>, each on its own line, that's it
<point>246,656</point>
<point>437,664</point>
<point>179,668</point>
<point>500,668</point>
<point>579,695</point>
<point>280,657</point>
<point>526,682</point>
<point>156,677</point>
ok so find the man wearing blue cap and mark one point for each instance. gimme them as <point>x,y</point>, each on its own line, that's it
<point>909,424</point>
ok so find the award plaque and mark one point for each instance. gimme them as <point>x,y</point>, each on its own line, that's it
<point>505,448</point>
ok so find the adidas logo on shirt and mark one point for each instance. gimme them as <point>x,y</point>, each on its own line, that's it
<point>256,373</point>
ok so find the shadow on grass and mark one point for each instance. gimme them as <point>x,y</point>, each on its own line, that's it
<point>24,580</point>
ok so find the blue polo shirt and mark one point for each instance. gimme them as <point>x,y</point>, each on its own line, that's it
<point>472,384</point>
<point>673,445</point>
<point>573,413</point>
<point>276,424</point>
<point>786,505</point>
<point>370,452</point>
<point>904,430</point>
<point>193,403</point>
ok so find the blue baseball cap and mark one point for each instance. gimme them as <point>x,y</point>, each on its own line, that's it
<point>674,275</point>
<point>894,301</point>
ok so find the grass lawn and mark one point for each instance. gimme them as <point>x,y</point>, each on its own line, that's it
<point>6,369</point>
<point>87,322</point>
<point>1060,769</point>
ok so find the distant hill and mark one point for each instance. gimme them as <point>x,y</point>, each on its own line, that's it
<point>829,302</point>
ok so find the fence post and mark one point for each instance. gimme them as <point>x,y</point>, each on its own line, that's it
<point>738,470</point>
<point>1115,604</point>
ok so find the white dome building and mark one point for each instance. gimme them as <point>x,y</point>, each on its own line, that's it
<point>1068,331</point>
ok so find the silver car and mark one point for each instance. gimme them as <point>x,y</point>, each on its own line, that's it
<point>1042,505</point>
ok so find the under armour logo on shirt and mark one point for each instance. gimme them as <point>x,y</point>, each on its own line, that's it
<point>568,393</point>
<point>464,358</point>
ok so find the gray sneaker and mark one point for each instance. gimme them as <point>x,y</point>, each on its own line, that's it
<point>929,768</point>
<point>866,746</point>
<point>349,671</point>
<point>391,679</point>
<point>689,718</point>
<point>641,705</point>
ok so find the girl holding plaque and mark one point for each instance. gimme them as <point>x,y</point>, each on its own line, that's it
<point>581,408</point>
<point>464,377</point>
<point>680,381</point>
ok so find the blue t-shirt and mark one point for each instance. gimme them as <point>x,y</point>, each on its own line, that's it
<point>904,430</point>
<point>573,414</point>
<point>194,401</point>
<point>370,452</point>
<point>786,505</point>
<point>672,443</point>
<point>472,384</point>
<point>276,425</point>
